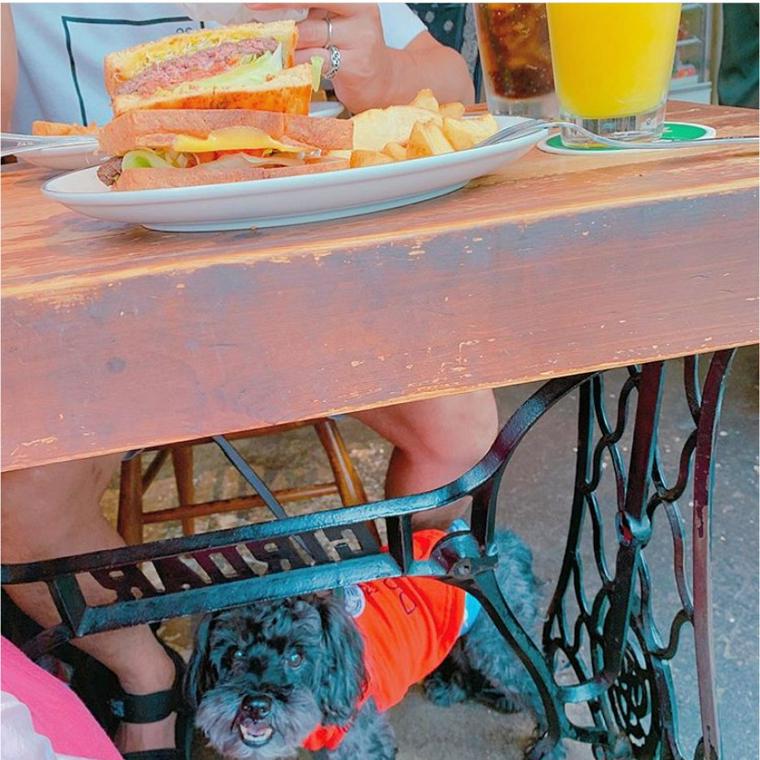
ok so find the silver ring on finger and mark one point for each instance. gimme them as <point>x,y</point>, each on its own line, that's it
<point>335,61</point>
<point>328,40</point>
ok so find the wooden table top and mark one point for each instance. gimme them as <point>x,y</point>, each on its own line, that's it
<point>115,337</point>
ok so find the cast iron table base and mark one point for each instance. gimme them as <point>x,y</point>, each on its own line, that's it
<point>599,626</point>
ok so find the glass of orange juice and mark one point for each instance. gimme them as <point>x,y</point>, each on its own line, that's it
<point>612,66</point>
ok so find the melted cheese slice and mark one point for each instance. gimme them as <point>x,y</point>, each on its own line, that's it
<point>232,138</point>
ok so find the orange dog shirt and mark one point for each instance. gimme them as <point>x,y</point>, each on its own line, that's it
<point>408,625</point>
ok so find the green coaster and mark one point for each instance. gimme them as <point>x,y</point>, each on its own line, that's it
<point>674,130</point>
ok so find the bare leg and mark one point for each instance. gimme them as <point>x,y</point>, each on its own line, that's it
<point>435,441</point>
<point>54,511</point>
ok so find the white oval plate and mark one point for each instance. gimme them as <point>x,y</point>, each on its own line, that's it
<point>286,200</point>
<point>66,157</point>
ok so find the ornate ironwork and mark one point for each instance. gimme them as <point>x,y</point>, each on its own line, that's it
<point>626,676</point>
<point>618,656</point>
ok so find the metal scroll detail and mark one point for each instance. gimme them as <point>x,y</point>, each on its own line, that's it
<point>287,556</point>
<point>601,620</point>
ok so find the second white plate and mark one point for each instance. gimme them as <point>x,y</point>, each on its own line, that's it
<point>66,157</point>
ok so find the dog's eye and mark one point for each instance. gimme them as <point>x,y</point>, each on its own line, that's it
<point>294,659</point>
<point>238,654</point>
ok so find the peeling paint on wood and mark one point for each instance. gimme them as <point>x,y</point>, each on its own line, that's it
<point>140,337</point>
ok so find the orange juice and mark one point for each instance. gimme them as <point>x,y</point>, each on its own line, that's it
<point>612,60</point>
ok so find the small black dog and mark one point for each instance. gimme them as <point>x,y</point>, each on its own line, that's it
<point>263,678</point>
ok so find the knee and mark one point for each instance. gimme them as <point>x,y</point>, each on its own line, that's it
<point>483,426</point>
<point>43,504</point>
<point>469,433</point>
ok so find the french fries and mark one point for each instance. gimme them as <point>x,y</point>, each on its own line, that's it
<point>375,128</point>
<point>396,151</point>
<point>56,128</point>
<point>466,133</point>
<point>426,99</point>
<point>425,127</point>
<point>452,110</point>
<point>368,158</point>
<point>427,140</point>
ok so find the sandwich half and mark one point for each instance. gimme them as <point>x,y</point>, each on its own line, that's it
<point>245,66</point>
<point>179,148</point>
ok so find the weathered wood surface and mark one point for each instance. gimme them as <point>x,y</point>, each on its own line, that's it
<point>115,337</point>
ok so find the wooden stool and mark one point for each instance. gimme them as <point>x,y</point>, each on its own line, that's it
<point>131,519</point>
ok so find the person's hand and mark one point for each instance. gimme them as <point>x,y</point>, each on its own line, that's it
<point>357,32</point>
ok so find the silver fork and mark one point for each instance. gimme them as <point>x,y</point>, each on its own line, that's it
<point>532,126</point>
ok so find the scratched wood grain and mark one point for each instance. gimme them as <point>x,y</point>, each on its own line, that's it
<point>115,337</point>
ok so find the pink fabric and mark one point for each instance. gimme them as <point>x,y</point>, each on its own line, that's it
<point>56,710</point>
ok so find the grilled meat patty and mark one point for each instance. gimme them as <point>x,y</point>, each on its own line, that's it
<point>109,171</point>
<point>198,65</point>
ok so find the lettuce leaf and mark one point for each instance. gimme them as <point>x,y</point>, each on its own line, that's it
<point>255,71</point>
<point>316,72</point>
<point>144,158</point>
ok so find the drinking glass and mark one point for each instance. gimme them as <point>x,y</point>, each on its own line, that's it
<point>513,39</point>
<point>612,66</point>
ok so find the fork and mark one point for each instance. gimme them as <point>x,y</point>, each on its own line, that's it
<point>532,126</point>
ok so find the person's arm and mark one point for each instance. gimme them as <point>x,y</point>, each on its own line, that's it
<point>373,75</point>
<point>425,62</point>
<point>9,66</point>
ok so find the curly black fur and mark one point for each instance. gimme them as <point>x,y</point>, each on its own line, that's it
<point>263,677</point>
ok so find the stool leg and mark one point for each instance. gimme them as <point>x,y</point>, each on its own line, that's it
<point>129,521</point>
<point>347,478</point>
<point>182,459</point>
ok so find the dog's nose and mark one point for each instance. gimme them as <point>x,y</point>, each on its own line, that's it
<point>258,706</point>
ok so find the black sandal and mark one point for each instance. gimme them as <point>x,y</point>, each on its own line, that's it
<point>149,708</point>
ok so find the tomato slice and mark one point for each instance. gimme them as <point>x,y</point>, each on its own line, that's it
<point>251,152</point>
<point>213,155</point>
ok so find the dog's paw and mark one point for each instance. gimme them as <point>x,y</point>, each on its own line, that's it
<point>499,701</point>
<point>443,691</point>
<point>542,750</point>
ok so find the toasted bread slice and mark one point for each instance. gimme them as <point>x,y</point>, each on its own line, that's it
<point>122,134</point>
<point>289,91</point>
<point>324,133</point>
<point>138,128</point>
<point>152,179</point>
<point>123,65</point>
